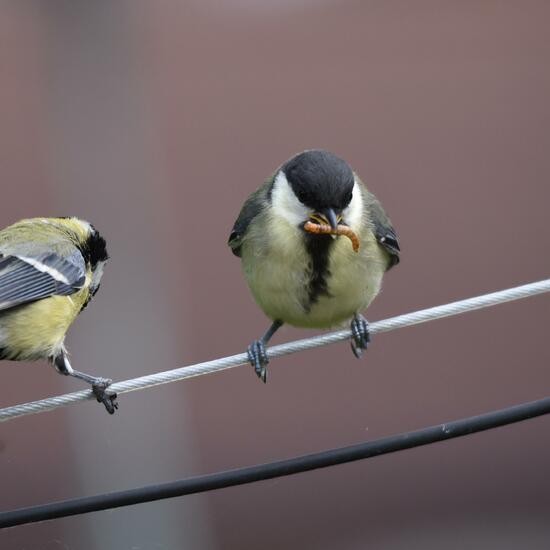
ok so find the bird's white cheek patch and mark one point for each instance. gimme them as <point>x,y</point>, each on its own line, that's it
<point>284,202</point>
<point>353,213</point>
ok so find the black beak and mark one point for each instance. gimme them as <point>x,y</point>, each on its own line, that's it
<point>330,215</point>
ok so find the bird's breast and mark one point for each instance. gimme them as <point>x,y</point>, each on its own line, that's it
<point>310,280</point>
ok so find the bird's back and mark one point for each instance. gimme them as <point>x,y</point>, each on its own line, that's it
<point>44,284</point>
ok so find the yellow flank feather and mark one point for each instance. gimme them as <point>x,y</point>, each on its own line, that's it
<point>38,330</point>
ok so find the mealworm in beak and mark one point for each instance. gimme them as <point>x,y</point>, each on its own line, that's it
<point>324,229</point>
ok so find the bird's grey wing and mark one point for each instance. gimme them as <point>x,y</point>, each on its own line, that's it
<point>383,230</point>
<point>26,278</point>
<point>251,208</point>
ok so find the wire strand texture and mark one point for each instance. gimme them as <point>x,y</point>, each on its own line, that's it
<point>199,369</point>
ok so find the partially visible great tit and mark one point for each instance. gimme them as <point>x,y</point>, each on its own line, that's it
<point>50,268</point>
<point>306,279</point>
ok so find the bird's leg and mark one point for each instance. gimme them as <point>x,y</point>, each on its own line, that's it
<point>257,354</point>
<point>360,335</point>
<point>99,384</point>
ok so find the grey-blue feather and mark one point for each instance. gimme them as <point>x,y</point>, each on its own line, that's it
<point>35,275</point>
<point>383,229</point>
<point>251,208</point>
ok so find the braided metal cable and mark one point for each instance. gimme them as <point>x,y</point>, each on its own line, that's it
<point>199,369</point>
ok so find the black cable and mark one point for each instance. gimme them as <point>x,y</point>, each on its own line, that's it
<point>280,468</point>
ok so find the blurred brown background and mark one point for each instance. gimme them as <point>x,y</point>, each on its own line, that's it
<point>154,120</point>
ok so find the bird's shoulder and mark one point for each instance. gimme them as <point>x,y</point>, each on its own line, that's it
<point>256,203</point>
<point>37,262</point>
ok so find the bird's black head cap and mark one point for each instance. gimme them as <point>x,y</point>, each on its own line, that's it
<point>320,179</point>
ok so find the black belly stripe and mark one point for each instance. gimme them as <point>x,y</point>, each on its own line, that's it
<point>318,248</point>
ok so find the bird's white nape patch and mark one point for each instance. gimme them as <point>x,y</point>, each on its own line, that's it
<point>285,203</point>
<point>353,213</point>
<point>43,268</point>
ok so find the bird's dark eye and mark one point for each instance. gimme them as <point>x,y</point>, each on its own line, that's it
<point>302,196</point>
<point>350,196</point>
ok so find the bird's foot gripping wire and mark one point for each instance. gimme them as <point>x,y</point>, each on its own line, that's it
<point>360,335</point>
<point>99,385</point>
<point>104,395</point>
<point>257,356</point>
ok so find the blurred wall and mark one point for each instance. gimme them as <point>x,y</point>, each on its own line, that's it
<point>155,121</point>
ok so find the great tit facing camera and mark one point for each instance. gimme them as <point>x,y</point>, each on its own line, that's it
<point>50,268</point>
<point>300,269</point>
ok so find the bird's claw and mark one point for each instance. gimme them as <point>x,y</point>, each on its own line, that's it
<point>360,334</point>
<point>257,356</point>
<point>104,395</point>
